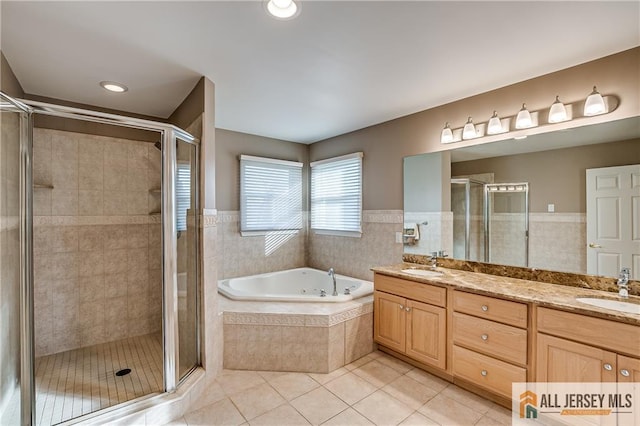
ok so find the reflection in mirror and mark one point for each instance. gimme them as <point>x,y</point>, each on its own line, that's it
<point>554,165</point>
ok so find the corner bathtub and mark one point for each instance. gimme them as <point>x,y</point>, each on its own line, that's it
<point>294,285</point>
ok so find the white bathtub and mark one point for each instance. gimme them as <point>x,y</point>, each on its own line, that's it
<point>294,285</point>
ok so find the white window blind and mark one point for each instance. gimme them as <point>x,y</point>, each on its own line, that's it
<point>270,194</point>
<point>183,194</point>
<point>336,194</point>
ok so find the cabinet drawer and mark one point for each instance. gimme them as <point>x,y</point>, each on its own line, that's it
<point>611,335</point>
<point>412,290</point>
<point>512,313</point>
<point>490,373</point>
<point>502,341</point>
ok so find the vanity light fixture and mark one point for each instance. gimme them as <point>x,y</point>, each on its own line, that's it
<point>447,135</point>
<point>557,112</point>
<point>523,120</point>
<point>112,86</point>
<point>495,125</point>
<point>283,9</point>
<point>594,104</point>
<point>469,130</point>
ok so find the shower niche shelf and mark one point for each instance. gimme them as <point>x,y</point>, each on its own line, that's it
<point>42,186</point>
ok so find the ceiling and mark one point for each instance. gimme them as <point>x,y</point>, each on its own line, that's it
<point>338,67</point>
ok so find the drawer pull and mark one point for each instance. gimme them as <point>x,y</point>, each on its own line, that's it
<point>607,367</point>
<point>485,337</point>
<point>485,308</point>
<point>625,373</point>
<point>484,373</point>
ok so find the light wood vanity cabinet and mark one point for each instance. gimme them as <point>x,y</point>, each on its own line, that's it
<point>415,328</point>
<point>489,341</point>
<point>578,348</point>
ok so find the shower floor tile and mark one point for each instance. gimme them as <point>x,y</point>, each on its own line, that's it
<point>77,382</point>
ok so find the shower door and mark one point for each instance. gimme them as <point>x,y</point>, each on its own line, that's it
<point>468,224</point>
<point>507,223</point>
<point>16,385</point>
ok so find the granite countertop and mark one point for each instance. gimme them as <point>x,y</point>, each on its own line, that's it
<point>543,294</point>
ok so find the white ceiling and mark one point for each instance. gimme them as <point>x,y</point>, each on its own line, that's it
<point>338,67</point>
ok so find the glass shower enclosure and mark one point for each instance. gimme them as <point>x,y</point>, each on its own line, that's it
<point>174,224</point>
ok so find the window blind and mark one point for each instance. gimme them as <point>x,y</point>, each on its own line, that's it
<point>270,194</point>
<point>336,194</point>
<point>183,194</point>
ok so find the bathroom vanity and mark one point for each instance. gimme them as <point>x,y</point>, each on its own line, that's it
<point>484,332</point>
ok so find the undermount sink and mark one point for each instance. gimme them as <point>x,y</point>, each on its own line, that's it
<point>423,273</point>
<point>615,305</point>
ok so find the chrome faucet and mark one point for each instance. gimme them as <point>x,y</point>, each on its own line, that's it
<point>623,282</point>
<point>434,260</point>
<point>332,274</point>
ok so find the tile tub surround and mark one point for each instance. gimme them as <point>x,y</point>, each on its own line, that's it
<point>530,274</point>
<point>243,256</point>
<point>302,337</point>
<point>354,257</point>
<point>97,251</point>
<point>520,290</point>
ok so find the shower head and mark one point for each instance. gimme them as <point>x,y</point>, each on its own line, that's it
<point>158,146</point>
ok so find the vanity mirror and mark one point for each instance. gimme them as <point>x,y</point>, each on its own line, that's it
<point>537,214</point>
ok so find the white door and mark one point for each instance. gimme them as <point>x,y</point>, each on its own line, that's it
<point>613,220</point>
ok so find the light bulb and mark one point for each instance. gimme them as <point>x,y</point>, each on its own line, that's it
<point>112,86</point>
<point>469,130</point>
<point>557,112</point>
<point>447,134</point>
<point>523,120</point>
<point>594,104</point>
<point>282,9</point>
<point>495,125</point>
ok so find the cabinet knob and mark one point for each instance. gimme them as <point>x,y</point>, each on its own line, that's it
<point>607,367</point>
<point>485,308</point>
<point>408,309</point>
<point>401,306</point>
<point>485,337</point>
<point>484,373</point>
<point>625,373</point>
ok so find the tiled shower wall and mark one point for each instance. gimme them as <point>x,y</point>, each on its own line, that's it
<point>97,245</point>
<point>355,257</point>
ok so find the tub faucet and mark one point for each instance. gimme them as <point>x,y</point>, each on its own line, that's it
<point>332,274</point>
<point>623,282</point>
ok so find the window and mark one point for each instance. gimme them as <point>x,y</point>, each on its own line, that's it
<point>270,195</point>
<point>336,195</point>
<point>183,194</point>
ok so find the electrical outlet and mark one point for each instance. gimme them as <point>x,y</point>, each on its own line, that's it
<point>399,237</point>
<point>551,208</point>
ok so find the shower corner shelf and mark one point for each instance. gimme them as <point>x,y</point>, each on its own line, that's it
<point>42,186</point>
<point>155,191</point>
<point>155,213</point>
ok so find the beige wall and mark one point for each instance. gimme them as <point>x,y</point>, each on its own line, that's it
<point>9,84</point>
<point>385,145</point>
<point>557,176</point>
<point>230,145</point>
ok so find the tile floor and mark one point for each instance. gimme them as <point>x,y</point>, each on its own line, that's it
<point>374,390</point>
<point>77,382</point>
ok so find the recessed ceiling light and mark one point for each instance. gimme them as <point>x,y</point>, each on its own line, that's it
<point>112,86</point>
<point>283,9</point>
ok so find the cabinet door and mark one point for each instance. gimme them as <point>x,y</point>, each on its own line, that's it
<point>389,320</point>
<point>561,360</point>
<point>629,371</point>
<point>426,333</point>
